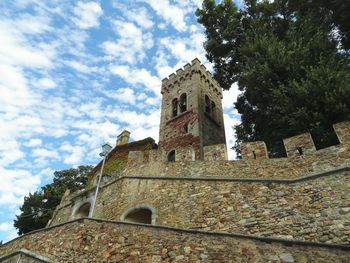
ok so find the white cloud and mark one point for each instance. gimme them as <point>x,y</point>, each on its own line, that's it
<point>30,24</point>
<point>126,95</point>
<point>172,14</point>
<point>231,117</point>
<point>15,50</point>
<point>45,83</point>
<point>6,226</point>
<point>185,48</point>
<point>72,154</point>
<point>230,96</point>
<point>141,17</point>
<point>230,121</point>
<point>138,76</point>
<point>13,87</point>
<point>33,143</point>
<point>44,153</point>
<point>15,184</point>
<point>81,67</point>
<point>87,14</point>
<point>131,45</point>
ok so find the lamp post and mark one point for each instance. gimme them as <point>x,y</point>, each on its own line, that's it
<point>106,148</point>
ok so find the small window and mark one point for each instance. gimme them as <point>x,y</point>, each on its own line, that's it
<point>171,156</point>
<point>174,107</point>
<point>183,102</point>
<point>83,211</point>
<point>186,128</point>
<point>207,104</point>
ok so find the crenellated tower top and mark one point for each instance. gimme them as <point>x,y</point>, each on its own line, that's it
<point>196,67</point>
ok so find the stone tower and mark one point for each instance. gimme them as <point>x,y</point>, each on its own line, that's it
<point>191,113</point>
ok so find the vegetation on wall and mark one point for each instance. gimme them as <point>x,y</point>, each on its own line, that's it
<point>290,59</point>
<point>118,158</point>
<point>38,207</point>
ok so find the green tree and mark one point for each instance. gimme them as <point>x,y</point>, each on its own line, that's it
<point>37,208</point>
<point>285,58</point>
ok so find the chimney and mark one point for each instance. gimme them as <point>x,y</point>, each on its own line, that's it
<point>123,138</point>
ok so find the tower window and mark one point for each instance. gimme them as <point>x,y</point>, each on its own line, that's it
<point>207,104</point>
<point>171,156</point>
<point>183,102</point>
<point>174,107</point>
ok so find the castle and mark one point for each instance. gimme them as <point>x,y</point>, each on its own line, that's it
<point>181,200</point>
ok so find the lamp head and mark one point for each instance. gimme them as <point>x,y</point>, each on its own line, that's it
<point>106,148</point>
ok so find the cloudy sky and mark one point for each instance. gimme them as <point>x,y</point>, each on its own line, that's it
<point>74,74</point>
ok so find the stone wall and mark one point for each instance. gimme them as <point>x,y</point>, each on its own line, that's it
<point>313,209</point>
<point>90,240</point>
<point>292,167</point>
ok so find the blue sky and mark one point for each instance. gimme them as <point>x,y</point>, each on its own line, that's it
<point>74,74</point>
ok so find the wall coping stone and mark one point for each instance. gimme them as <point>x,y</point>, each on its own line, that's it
<point>287,242</point>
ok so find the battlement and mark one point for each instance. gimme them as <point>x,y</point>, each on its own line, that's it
<point>298,145</point>
<point>185,73</point>
<point>302,159</point>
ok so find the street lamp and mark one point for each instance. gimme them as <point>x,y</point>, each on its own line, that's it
<point>106,148</point>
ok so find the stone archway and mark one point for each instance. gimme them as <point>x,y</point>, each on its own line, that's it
<point>143,214</point>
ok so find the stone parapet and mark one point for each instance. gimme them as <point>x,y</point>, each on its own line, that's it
<point>254,150</point>
<point>303,158</point>
<point>299,145</point>
<point>291,167</point>
<point>215,152</point>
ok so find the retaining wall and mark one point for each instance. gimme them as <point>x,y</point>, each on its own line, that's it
<point>88,240</point>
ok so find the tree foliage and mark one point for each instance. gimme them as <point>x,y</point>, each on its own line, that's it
<point>38,207</point>
<point>290,60</point>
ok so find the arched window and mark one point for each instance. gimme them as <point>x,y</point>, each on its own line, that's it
<point>83,211</point>
<point>207,104</point>
<point>183,102</point>
<point>171,156</point>
<point>139,215</point>
<point>174,104</point>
